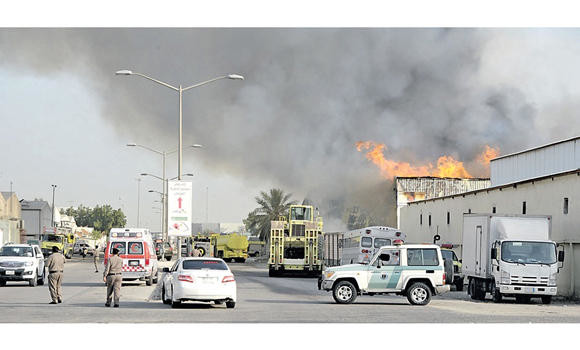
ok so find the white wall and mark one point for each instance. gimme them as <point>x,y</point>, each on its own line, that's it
<point>543,197</point>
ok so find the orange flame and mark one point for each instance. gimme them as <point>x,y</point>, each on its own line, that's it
<point>488,154</point>
<point>447,166</point>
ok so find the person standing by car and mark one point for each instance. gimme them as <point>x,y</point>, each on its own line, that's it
<point>113,277</point>
<point>55,264</point>
<point>96,258</point>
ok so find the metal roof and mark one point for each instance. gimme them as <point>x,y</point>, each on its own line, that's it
<point>536,148</point>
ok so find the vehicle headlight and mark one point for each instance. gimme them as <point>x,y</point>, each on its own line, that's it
<point>505,277</point>
<point>328,274</point>
<point>553,277</point>
<point>29,263</point>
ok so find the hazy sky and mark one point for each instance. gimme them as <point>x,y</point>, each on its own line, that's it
<point>309,95</point>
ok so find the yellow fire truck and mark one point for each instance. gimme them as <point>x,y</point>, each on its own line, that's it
<point>294,242</point>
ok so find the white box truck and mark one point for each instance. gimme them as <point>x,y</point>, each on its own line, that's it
<point>510,255</point>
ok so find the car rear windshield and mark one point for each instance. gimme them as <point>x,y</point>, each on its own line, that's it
<point>381,242</point>
<point>119,245</point>
<point>135,248</point>
<point>204,264</point>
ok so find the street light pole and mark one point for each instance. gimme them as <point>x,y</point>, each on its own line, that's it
<point>53,188</point>
<point>138,199</point>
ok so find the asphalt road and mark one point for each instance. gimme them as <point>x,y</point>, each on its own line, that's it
<point>260,299</point>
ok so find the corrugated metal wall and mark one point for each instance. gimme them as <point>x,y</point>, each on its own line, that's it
<point>543,161</point>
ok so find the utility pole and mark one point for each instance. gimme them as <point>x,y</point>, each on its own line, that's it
<point>53,188</point>
<point>138,199</point>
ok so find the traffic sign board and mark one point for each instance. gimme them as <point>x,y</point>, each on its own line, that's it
<point>179,202</point>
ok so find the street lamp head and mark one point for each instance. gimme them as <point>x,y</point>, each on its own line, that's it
<point>196,145</point>
<point>151,191</point>
<point>144,174</point>
<point>235,77</point>
<point>131,144</point>
<point>188,174</point>
<point>123,72</point>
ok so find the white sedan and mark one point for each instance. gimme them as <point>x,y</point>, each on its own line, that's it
<point>199,279</point>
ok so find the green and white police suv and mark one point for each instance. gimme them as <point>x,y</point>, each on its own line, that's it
<point>414,270</point>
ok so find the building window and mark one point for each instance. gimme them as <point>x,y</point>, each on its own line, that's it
<point>429,219</point>
<point>448,218</point>
<point>493,210</point>
<point>565,205</point>
<point>420,219</point>
<point>524,208</point>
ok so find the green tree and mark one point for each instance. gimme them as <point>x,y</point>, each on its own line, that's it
<point>101,218</point>
<point>272,205</point>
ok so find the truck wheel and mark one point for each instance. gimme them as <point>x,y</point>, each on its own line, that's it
<point>230,304</point>
<point>149,280</point>
<point>272,272</point>
<point>471,289</point>
<point>344,292</point>
<point>459,285</point>
<point>547,299</point>
<point>156,279</point>
<point>419,294</point>
<point>2,283</point>
<point>496,295</point>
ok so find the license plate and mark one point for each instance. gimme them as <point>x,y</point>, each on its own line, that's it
<point>208,280</point>
<point>133,262</point>
<point>9,272</point>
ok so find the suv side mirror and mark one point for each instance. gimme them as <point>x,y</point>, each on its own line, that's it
<point>561,256</point>
<point>493,253</point>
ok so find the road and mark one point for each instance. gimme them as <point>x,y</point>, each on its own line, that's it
<point>260,299</point>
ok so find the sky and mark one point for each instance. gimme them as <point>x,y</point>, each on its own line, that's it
<point>308,96</point>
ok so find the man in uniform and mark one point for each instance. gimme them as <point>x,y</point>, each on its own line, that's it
<point>113,277</point>
<point>96,257</point>
<point>55,264</point>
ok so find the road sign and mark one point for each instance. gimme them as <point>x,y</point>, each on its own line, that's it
<point>179,208</point>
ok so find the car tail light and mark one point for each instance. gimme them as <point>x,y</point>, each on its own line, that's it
<point>365,251</point>
<point>185,278</point>
<point>146,253</point>
<point>444,277</point>
<point>228,279</point>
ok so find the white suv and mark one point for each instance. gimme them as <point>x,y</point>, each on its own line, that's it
<point>22,262</point>
<point>414,270</point>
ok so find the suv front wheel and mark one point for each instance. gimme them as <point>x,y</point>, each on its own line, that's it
<point>419,294</point>
<point>344,292</point>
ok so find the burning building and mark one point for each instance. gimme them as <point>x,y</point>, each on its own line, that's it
<point>410,189</point>
<point>540,181</point>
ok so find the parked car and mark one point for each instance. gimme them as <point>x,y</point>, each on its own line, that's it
<point>78,248</point>
<point>22,262</point>
<point>414,270</point>
<point>167,250</point>
<point>199,279</point>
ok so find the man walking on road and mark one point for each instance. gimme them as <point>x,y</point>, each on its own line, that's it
<point>96,257</point>
<point>113,277</point>
<point>55,264</point>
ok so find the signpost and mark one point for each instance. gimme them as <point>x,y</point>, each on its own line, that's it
<point>179,208</point>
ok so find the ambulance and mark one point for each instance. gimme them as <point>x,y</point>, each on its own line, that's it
<point>137,250</point>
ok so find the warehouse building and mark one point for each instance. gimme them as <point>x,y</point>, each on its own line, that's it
<point>539,181</point>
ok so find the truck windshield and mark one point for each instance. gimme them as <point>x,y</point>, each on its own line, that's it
<point>53,238</point>
<point>300,213</point>
<point>528,252</point>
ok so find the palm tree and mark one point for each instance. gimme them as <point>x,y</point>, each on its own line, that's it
<point>272,205</point>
